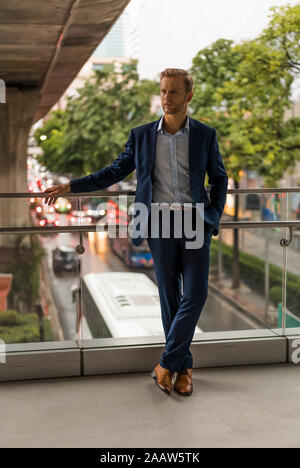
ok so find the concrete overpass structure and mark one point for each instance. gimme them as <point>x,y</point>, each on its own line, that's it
<point>43,45</point>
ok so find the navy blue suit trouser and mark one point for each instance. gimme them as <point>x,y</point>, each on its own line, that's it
<point>173,264</point>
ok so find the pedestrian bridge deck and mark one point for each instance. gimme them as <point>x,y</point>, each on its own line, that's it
<point>238,406</point>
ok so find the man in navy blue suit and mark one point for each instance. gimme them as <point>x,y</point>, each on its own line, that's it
<point>171,156</point>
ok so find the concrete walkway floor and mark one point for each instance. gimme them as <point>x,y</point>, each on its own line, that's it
<point>238,406</point>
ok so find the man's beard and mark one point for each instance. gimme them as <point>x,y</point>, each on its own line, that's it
<point>173,109</point>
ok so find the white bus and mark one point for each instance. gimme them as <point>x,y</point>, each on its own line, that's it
<point>120,304</point>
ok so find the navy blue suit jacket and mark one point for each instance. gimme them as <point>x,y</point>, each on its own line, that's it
<point>139,154</point>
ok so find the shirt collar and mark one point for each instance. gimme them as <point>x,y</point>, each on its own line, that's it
<point>187,125</point>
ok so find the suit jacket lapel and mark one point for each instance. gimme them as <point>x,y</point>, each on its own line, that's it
<point>193,141</point>
<point>151,143</point>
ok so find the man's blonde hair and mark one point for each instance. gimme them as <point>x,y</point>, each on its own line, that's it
<point>188,80</point>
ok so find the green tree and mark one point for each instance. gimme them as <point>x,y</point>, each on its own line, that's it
<point>243,90</point>
<point>95,126</point>
<point>24,293</point>
<point>53,128</point>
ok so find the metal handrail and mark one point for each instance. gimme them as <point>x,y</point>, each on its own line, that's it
<point>115,193</point>
<point>108,193</point>
<point>98,193</point>
<point>105,227</point>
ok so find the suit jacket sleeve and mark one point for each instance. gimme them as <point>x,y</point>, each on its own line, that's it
<point>118,170</point>
<point>217,176</point>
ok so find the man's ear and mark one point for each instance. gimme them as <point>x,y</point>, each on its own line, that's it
<point>189,96</point>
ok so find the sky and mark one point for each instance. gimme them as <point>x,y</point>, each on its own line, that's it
<point>173,31</point>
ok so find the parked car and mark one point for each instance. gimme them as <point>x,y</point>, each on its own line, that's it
<point>64,258</point>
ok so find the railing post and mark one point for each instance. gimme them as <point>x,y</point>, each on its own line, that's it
<point>220,243</point>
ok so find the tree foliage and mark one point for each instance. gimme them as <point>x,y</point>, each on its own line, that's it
<point>244,90</point>
<point>95,126</point>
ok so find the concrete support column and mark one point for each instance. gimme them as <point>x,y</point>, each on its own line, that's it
<point>16,117</point>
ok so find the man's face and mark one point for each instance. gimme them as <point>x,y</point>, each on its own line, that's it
<point>173,95</point>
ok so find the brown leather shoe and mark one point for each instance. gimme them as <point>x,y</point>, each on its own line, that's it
<point>163,378</point>
<point>183,383</point>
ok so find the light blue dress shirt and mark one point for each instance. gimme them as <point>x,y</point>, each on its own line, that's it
<point>171,170</point>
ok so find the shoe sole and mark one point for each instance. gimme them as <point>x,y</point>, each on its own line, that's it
<point>183,393</point>
<point>165,390</point>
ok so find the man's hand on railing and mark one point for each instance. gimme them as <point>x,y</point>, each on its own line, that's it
<point>56,191</point>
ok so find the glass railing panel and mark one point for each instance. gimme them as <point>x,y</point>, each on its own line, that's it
<point>37,272</point>
<point>33,211</point>
<point>280,264</point>
<point>292,304</point>
<point>240,278</point>
<point>267,206</point>
<point>37,276</point>
<point>63,266</point>
<point>289,300</point>
<point>119,295</point>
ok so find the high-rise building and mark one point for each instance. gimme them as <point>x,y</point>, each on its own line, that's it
<point>121,41</point>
